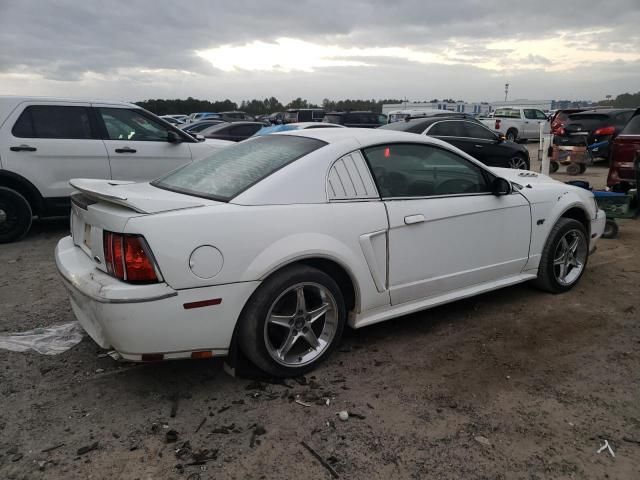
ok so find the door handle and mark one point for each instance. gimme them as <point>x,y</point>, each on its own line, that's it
<point>125,150</point>
<point>411,219</point>
<point>23,148</point>
<point>478,146</point>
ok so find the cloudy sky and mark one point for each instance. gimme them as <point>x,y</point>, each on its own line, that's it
<point>415,49</point>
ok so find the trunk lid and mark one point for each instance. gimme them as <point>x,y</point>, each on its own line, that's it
<point>108,205</point>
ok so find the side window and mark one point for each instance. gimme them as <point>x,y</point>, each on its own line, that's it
<point>533,114</point>
<point>473,130</point>
<point>124,124</point>
<point>623,118</point>
<point>417,170</point>
<point>447,129</point>
<point>244,130</point>
<point>51,121</point>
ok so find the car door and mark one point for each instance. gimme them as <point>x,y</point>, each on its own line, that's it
<point>237,133</point>
<point>533,119</point>
<point>453,132</point>
<point>138,145</point>
<point>447,232</point>
<point>48,143</point>
<point>488,148</point>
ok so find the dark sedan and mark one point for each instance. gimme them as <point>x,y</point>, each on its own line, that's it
<point>595,128</point>
<point>471,137</point>
<point>236,131</point>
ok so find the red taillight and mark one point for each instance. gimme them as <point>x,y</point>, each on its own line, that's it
<point>497,126</point>
<point>559,131</point>
<point>127,258</point>
<point>605,131</point>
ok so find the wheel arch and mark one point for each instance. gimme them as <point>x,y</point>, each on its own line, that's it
<point>25,188</point>
<point>578,213</point>
<point>336,269</point>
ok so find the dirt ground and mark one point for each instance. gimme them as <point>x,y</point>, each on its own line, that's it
<point>515,384</point>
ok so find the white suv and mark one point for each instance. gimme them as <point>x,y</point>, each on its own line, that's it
<point>44,142</point>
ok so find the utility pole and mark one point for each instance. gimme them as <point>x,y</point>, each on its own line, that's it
<point>506,91</point>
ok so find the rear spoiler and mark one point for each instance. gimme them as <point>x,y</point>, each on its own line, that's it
<point>139,197</point>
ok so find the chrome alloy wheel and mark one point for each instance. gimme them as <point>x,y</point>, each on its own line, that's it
<point>301,324</point>
<point>570,257</point>
<point>518,162</point>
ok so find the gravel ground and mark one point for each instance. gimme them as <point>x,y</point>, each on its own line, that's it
<point>515,384</point>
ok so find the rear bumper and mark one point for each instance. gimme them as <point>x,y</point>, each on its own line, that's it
<point>148,319</point>
<point>597,228</point>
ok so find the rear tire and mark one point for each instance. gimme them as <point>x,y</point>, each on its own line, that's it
<point>286,333</point>
<point>512,134</point>
<point>573,169</point>
<point>15,215</point>
<point>559,270</point>
<point>610,229</point>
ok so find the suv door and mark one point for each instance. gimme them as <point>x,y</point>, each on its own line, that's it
<point>49,143</point>
<point>447,231</point>
<point>138,145</point>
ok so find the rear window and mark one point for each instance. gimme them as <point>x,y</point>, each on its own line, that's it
<point>507,113</point>
<point>588,116</point>
<point>231,170</point>
<point>410,126</point>
<point>633,127</point>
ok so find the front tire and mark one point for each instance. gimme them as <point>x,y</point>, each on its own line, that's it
<point>293,321</point>
<point>518,162</point>
<point>564,257</point>
<point>512,134</point>
<point>15,215</point>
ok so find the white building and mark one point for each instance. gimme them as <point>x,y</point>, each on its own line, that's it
<point>480,108</point>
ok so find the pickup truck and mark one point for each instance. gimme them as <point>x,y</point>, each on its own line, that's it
<point>517,123</point>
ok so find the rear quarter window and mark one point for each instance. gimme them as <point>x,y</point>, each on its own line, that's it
<point>633,127</point>
<point>54,121</point>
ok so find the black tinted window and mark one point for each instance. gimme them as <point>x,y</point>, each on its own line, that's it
<point>474,130</point>
<point>49,121</point>
<point>633,127</point>
<point>333,119</point>
<point>244,130</point>
<point>410,170</point>
<point>447,129</point>
<point>231,170</point>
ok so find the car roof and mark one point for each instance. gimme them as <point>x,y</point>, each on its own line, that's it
<point>427,121</point>
<point>604,111</point>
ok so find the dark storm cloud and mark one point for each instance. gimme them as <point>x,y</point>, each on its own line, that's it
<point>128,46</point>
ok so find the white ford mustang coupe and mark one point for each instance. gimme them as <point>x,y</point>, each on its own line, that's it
<point>272,245</point>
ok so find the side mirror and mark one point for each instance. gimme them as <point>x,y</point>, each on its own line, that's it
<point>199,137</point>
<point>173,137</point>
<point>500,187</point>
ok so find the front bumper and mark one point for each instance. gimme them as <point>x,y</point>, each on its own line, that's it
<point>597,228</point>
<point>148,319</point>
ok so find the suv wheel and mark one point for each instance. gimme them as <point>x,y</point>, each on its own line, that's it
<point>293,321</point>
<point>15,215</point>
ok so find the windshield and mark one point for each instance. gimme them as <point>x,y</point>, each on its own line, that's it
<point>231,170</point>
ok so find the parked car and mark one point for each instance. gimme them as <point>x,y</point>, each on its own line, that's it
<point>44,142</point>
<point>625,156</point>
<point>234,132</point>
<point>270,246</point>
<point>560,117</point>
<point>297,115</point>
<point>354,119</point>
<point>267,130</point>
<point>235,116</point>
<point>276,118</point>
<point>181,118</point>
<point>194,117</point>
<point>518,123</point>
<point>171,120</point>
<point>471,137</point>
<point>197,127</point>
<point>398,115</point>
<point>593,127</point>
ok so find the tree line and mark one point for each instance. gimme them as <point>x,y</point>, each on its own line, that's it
<point>256,107</point>
<point>625,100</point>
